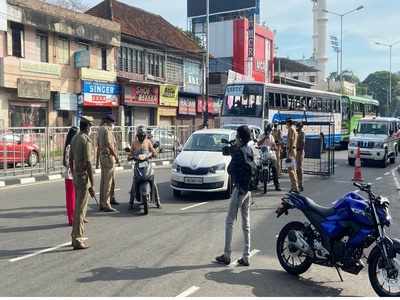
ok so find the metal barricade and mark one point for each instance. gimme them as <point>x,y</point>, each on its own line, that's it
<point>39,150</point>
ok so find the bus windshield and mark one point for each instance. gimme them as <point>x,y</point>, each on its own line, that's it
<point>244,101</point>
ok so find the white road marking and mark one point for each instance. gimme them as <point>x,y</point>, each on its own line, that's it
<point>166,163</point>
<point>379,178</point>
<point>55,177</point>
<point>387,173</point>
<point>2,183</point>
<point>252,253</point>
<point>189,291</point>
<point>39,252</point>
<point>195,205</point>
<point>14,186</point>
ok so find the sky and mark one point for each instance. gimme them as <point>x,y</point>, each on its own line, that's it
<point>292,20</point>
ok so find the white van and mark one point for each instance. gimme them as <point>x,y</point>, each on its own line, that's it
<point>378,139</point>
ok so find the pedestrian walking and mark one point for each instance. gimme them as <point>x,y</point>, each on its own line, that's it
<point>277,134</point>
<point>107,156</point>
<point>240,169</point>
<point>82,173</point>
<point>291,155</point>
<point>69,183</point>
<point>300,144</point>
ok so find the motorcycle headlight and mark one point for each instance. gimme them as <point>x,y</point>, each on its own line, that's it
<point>220,167</point>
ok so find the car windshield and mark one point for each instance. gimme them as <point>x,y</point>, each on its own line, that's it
<point>373,128</point>
<point>206,142</point>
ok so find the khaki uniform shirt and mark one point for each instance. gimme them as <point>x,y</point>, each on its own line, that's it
<point>301,141</point>
<point>146,146</point>
<point>105,141</point>
<point>81,155</point>
<point>292,142</point>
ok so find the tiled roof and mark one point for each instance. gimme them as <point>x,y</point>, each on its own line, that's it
<point>145,26</point>
<point>292,66</point>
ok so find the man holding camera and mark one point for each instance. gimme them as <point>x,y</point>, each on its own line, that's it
<point>240,170</point>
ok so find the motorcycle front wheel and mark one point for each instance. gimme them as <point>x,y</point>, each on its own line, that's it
<point>293,261</point>
<point>145,205</point>
<point>265,180</point>
<point>384,285</point>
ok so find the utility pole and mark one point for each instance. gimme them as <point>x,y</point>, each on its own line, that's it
<point>207,60</point>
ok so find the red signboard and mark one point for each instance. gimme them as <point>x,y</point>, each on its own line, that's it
<point>260,67</point>
<point>99,100</point>
<point>145,95</point>
<point>214,106</point>
<point>187,106</point>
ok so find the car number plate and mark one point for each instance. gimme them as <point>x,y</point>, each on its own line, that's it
<point>194,180</point>
<point>142,165</point>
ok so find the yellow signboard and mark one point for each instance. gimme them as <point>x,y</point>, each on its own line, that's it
<point>39,67</point>
<point>93,74</point>
<point>169,95</point>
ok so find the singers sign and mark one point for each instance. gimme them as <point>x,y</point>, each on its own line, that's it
<point>100,94</point>
<point>251,37</point>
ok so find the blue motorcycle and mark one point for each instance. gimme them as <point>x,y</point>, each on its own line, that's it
<point>337,237</point>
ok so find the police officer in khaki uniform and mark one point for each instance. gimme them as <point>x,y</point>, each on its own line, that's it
<point>301,142</point>
<point>80,164</point>
<point>277,134</point>
<point>291,155</point>
<point>106,153</point>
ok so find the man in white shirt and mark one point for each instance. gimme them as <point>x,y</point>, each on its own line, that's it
<point>268,140</point>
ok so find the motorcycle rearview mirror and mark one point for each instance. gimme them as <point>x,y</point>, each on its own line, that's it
<point>127,149</point>
<point>224,141</point>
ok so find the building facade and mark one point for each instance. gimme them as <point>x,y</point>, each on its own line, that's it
<point>55,65</point>
<point>159,68</point>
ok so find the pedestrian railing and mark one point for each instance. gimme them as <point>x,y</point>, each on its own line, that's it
<point>39,150</point>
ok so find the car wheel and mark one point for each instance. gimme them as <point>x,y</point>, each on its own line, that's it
<point>383,163</point>
<point>33,159</point>
<point>176,193</point>
<point>393,159</point>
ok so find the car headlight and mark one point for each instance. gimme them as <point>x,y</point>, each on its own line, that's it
<point>380,145</point>
<point>352,144</point>
<point>220,167</point>
<point>176,167</point>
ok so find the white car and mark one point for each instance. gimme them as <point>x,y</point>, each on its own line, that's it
<point>201,166</point>
<point>378,140</point>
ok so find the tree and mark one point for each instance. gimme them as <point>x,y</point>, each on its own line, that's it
<point>348,75</point>
<point>378,86</point>
<point>76,5</point>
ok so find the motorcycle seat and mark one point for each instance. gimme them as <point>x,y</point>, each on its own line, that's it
<point>321,210</point>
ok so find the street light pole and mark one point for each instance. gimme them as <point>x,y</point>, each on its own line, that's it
<point>390,46</point>
<point>341,38</point>
<point>205,101</point>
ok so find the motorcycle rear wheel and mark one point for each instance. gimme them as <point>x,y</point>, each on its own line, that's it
<point>295,263</point>
<point>145,205</point>
<point>265,180</point>
<point>378,276</point>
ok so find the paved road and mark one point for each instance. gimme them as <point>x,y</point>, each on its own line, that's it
<point>168,252</point>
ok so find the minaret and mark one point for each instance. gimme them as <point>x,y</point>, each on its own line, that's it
<point>320,36</point>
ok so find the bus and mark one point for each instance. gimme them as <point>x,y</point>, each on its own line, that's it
<point>254,103</point>
<point>353,109</point>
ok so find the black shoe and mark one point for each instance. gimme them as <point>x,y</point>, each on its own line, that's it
<point>158,204</point>
<point>278,189</point>
<point>114,202</point>
<point>301,189</point>
<point>223,260</point>
<point>243,262</point>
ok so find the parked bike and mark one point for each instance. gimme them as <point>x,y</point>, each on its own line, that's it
<point>265,166</point>
<point>337,237</point>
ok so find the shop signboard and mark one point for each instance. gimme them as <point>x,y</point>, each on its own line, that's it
<point>94,74</point>
<point>98,94</point>
<point>187,106</point>
<point>193,78</point>
<point>214,105</point>
<point>142,95</point>
<point>169,95</point>
<point>33,89</point>
<point>39,67</point>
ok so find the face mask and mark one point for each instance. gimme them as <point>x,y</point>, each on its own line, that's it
<point>112,126</point>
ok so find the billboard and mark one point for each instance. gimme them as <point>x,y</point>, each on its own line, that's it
<point>196,8</point>
<point>98,94</point>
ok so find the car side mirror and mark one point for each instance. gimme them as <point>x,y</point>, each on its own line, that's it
<point>224,141</point>
<point>226,151</point>
<point>19,142</point>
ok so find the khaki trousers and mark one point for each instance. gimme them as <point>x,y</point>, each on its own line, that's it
<point>106,184</point>
<point>278,158</point>
<point>299,167</point>
<point>293,178</point>
<point>78,226</point>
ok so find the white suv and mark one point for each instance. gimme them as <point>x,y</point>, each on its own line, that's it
<point>378,139</point>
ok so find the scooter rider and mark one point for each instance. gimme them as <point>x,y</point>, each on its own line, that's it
<point>268,140</point>
<point>142,146</point>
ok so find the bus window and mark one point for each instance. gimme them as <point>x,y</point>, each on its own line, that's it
<point>284,101</point>
<point>244,100</point>
<point>278,101</point>
<point>271,99</point>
